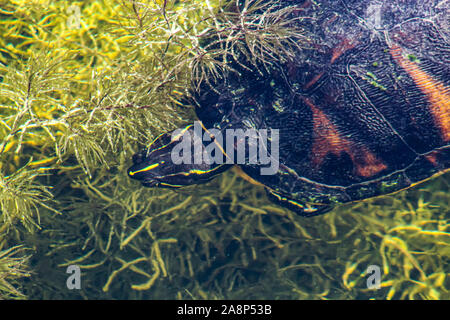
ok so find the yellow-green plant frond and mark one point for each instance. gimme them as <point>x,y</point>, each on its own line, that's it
<point>21,196</point>
<point>31,97</point>
<point>194,41</point>
<point>13,266</point>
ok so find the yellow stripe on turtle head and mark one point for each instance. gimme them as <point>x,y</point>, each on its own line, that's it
<point>154,140</point>
<point>194,171</point>
<point>174,138</point>
<point>148,168</point>
<point>182,132</point>
<point>164,184</point>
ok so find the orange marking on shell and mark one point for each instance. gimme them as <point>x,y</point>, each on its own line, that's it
<point>368,165</point>
<point>314,80</point>
<point>437,93</point>
<point>328,140</point>
<point>345,45</point>
<point>326,137</point>
<point>432,158</point>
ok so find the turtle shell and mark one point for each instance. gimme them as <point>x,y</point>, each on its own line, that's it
<point>362,110</point>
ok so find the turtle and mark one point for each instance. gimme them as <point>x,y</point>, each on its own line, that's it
<point>362,110</point>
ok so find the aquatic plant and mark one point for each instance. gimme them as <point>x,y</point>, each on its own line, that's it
<point>12,267</point>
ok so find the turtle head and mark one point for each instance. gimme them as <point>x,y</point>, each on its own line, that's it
<point>172,161</point>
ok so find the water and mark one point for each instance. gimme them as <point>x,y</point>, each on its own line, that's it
<point>81,93</point>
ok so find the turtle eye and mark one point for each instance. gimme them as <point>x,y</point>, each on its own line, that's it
<point>140,156</point>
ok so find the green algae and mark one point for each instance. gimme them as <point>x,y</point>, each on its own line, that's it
<point>77,101</point>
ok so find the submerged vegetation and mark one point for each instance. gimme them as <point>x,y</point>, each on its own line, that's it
<point>84,84</point>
